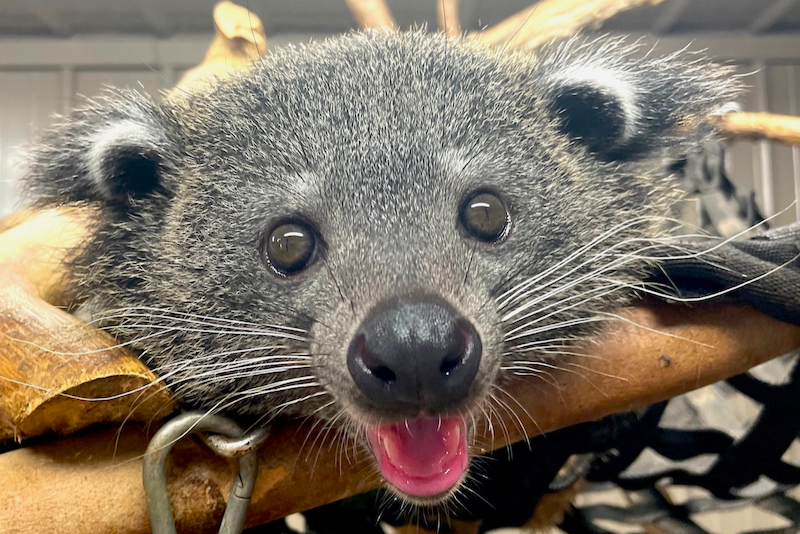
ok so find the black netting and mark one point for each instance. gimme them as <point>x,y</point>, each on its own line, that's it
<point>700,440</point>
<point>745,466</point>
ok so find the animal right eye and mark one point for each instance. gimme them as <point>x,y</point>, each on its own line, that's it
<point>289,247</point>
<point>485,217</point>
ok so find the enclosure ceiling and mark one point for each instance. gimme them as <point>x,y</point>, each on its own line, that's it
<point>162,18</point>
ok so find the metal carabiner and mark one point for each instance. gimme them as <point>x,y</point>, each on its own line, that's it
<point>154,473</point>
<point>235,447</point>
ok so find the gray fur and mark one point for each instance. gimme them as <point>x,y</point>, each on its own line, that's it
<point>374,139</point>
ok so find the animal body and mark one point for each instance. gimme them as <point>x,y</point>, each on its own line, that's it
<point>378,231</point>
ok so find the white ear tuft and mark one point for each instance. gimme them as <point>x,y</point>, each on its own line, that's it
<point>611,84</point>
<point>123,160</point>
<point>622,105</point>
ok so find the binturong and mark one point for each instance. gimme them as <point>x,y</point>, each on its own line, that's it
<point>379,231</point>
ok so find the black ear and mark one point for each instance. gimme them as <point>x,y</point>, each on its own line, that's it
<point>126,161</point>
<point>602,116</point>
<point>620,106</point>
<point>119,149</point>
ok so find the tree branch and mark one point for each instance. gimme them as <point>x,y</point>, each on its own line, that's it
<point>550,19</point>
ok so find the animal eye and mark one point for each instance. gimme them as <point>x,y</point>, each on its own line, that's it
<point>290,247</point>
<point>485,217</point>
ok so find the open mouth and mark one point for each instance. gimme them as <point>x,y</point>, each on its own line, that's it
<point>423,458</point>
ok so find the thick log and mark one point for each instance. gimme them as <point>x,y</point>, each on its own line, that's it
<point>659,352</point>
<point>550,19</point>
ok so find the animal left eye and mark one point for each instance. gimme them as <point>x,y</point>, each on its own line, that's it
<point>484,217</point>
<point>290,247</point>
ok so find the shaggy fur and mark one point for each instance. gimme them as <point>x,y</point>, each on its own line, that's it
<point>374,140</point>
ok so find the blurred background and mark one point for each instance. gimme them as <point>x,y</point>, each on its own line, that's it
<point>51,51</point>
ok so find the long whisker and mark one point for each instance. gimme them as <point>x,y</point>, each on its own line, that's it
<point>174,328</point>
<point>503,299</point>
<point>120,313</point>
<point>556,326</point>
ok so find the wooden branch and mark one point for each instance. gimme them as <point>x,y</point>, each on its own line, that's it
<point>52,367</point>
<point>550,19</point>
<point>372,14</point>
<point>93,492</point>
<point>49,360</point>
<point>447,17</point>
<point>239,42</point>
<point>36,243</point>
<point>754,126</point>
<point>94,489</point>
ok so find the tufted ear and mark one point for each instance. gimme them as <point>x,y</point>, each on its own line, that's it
<point>596,107</point>
<point>126,160</point>
<point>619,106</point>
<point>118,149</point>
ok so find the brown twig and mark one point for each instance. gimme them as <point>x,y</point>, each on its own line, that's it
<point>781,128</point>
<point>238,43</point>
<point>551,19</point>
<point>372,14</point>
<point>447,17</point>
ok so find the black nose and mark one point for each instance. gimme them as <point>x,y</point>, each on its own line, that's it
<point>415,354</point>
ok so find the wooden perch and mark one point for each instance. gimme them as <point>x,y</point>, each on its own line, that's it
<point>550,19</point>
<point>73,380</point>
<point>239,42</point>
<point>754,126</point>
<point>49,361</point>
<point>372,14</point>
<point>95,489</point>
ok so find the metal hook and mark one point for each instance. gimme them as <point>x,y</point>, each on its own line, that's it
<point>154,473</point>
<point>234,448</point>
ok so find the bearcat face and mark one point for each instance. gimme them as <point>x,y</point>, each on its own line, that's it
<point>378,230</point>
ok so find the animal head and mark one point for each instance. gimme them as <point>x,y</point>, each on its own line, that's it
<point>378,230</point>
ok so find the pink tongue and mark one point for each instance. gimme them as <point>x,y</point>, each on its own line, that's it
<point>424,458</point>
